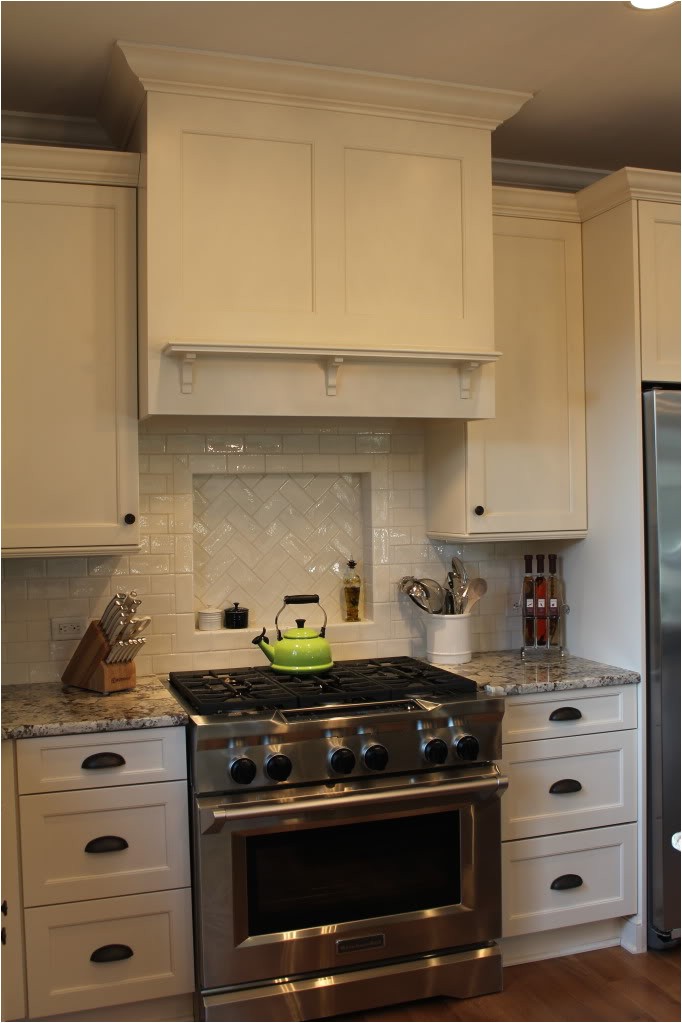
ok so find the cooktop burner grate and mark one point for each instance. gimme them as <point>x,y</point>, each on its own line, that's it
<point>381,679</point>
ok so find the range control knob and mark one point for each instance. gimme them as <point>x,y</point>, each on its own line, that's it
<point>436,752</point>
<point>376,758</point>
<point>342,760</point>
<point>278,767</point>
<point>467,747</point>
<point>243,771</point>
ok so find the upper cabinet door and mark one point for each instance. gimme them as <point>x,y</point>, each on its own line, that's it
<point>69,423</point>
<point>659,290</point>
<point>522,474</point>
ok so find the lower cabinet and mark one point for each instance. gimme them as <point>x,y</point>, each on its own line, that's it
<point>569,831</point>
<point>105,869</point>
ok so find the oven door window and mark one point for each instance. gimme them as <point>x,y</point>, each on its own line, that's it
<point>320,876</point>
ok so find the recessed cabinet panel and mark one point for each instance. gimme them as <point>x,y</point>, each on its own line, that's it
<point>659,275</point>
<point>256,190</point>
<point>69,394</point>
<point>403,234</point>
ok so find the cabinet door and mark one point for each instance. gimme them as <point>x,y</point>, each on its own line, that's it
<point>659,280</point>
<point>69,410</point>
<point>526,467</point>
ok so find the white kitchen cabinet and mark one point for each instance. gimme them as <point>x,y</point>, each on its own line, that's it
<point>522,474</point>
<point>69,407</point>
<point>569,817</point>
<point>659,290</point>
<point>294,212</point>
<point>633,218</point>
<point>107,913</point>
<point>13,986</point>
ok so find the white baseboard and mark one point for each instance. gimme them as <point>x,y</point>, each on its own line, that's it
<point>530,948</point>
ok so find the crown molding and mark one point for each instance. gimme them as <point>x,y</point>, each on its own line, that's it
<point>137,68</point>
<point>535,203</point>
<point>548,176</point>
<point>83,166</point>
<point>625,185</point>
<point>53,130</point>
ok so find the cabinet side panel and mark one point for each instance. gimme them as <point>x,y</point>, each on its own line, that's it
<point>659,268</point>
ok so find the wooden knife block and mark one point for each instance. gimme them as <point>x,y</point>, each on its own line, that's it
<point>87,670</point>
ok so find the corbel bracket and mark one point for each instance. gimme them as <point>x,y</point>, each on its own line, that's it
<point>465,371</point>
<point>331,372</point>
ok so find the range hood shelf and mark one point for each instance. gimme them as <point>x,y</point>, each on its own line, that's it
<point>332,358</point>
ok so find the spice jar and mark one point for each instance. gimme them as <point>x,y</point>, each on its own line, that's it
<point>236,617</point>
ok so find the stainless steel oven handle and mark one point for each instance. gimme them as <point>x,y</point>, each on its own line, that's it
<point>474,790</point>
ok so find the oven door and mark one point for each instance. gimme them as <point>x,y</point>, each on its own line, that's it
<point>329,878</point>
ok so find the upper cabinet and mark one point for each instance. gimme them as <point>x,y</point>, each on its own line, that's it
<point>300,226</point>
<point>632,217</point>
<point>522,474</point>
<point>69,410</point>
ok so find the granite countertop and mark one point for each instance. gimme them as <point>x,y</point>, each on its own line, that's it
<point>39,709</point>
<point>504,673</point>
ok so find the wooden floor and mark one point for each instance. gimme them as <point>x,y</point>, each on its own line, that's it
<point>609,984</point>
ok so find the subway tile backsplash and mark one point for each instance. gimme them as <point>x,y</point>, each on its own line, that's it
<point>372,475</point>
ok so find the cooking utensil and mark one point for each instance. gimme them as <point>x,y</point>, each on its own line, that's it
<point>416,592</point>
<point>476,588</point>
<point>435,595</point>
<point>300,649</point>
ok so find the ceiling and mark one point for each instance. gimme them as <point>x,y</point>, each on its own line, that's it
<point>605,77</point>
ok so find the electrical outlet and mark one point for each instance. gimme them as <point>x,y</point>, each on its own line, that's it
<point>68,628</point>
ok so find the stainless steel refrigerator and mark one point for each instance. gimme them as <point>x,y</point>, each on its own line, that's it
<point>661,417</point>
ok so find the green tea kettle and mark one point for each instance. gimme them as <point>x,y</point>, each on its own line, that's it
<point>298,650</point>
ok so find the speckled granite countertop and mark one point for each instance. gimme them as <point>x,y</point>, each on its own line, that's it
<point>46,709</point>
<point>504,673</point>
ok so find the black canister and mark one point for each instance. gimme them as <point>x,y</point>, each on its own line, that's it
<point>236,617</point>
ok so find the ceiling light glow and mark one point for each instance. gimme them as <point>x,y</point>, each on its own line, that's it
<point>651,5</point>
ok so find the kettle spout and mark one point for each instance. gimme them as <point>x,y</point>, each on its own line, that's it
<point>263,642</point>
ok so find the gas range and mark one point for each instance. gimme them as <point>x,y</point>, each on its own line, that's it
<point>255,728</point>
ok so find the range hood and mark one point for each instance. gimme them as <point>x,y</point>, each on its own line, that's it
<point>312,241</point>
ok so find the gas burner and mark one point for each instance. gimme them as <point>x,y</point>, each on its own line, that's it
<point>348,682</point>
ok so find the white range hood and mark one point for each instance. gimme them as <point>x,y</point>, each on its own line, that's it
<point>313,241</point>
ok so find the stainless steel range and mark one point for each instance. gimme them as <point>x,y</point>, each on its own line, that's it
<point>346,830</point>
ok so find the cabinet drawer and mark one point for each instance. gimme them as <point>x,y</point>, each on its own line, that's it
<point>601,863</point>
<point>154,938</point>
<point>575,711</point>
<point>117,841</point>
<point>60,762</point>
<point>594,778</point>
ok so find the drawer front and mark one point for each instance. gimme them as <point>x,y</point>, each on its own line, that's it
<point>594,873</point>
<point>559,785</point>
<point>60,762</point>
<point>144,943</point>
<point>107,842</point>
<point>573,712</point>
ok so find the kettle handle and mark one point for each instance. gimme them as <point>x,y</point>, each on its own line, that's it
<point>301,598</point>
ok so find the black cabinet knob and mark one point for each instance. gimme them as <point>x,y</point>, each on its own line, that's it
<point>278,767</point>
<point>129,519</point>
<point>342,760</point>
<point>479,510</point>
<point>436,751</point>
<point>98,761</point>
<point>467,747</point>
<point>376,758</point>
<point>3,908</point>
<point>243,771</point>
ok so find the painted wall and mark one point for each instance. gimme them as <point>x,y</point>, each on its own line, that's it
<point>382,459</point>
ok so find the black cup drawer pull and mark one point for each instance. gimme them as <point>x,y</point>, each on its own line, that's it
<point>565,714</point>
<point>111,954</point>
<point>566,881</point>
<point>97,761</point>
<point>564,785</point>
<point>105,844</point>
